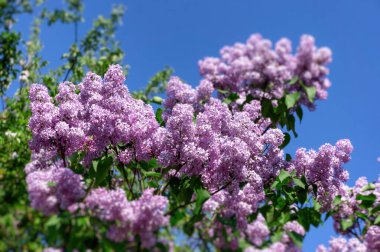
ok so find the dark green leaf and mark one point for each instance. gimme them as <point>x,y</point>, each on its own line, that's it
<point>102,167</point>
<point>299,113</point>
<point>286,140</point>
<point>361,215</point>
<point>366,200</point>
<point>302,196</point>
<point>231,221</point>
<point>337,200</point>
<point>296,238</point>
<point>202,196</point>
<point>231,98</point>
<point>266,108</point>
<point>159,115</point>
<point>176,217</point>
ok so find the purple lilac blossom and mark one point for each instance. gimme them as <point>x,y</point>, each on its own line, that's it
<point>113,116</point>
<point>372,239</point>
<point>257,231</point>
<point>54,188</point>
<point>342,245</point>
<point>128,218</point>
<point>255,68</point>
<point>178,92</point>
<point>324,168</point>
<point>224,148</point>
<point>350,205</point>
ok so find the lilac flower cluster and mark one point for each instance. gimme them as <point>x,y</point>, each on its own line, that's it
<point>342,245</point>
<point>232,151</point>
<point>225,149</point>
<point>128,218</point>
<point>103,113</point>
<point>254,68</point>
<point>257,231</point>
<point>54,188</point>
<point>324,168</point>
<point>113,117</point>
<point>180,92</point>
<point>370,243</point>
<point>260,233</point>
<point>349,205</point>
<point>56,130</point>
<point>100,118</point>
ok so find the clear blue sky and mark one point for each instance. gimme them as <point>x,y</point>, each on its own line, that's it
<point>178,33</point>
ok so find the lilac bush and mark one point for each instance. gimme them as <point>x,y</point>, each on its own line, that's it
<point>209,164</point>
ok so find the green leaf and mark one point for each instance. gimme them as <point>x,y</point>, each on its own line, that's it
<point>288,157</point>
<point>222,91</point>
<point>315,189</point>
<point>266,108</point>
<point>270,215</point>
<point>296,238</point>
<point>284,217</point>
<point>368,187</point>
<point>310,91</point>
<point>304,218</point>
<point>346,224</point>
<point>299,183</point>
<point>361,215</point>
<point>151,174</point>
<point>337,200</point>
<point>281,203</point>
<point>231,221</point>
<point>274,185</point>
<point>176,217</point>
<point>51,184</point>
<point>316,204</point>
<point>231,98</point>
<point>157,100</point>
<point>276,236</point>
<point>376,209</point>
<point>299,113</point>
<point>243,244</point>
<point>283,175</point>
<point>291,99</point>
<point>315,217</point>
<point>377,220</point>
<point>202,196</point>
<point>286,140</point>
<point>366,200</point>
<point>327,216</point>
<point>159,115</point>
<point>293,80</point>
<point>53,221</point>
<point>302,196</point>
<point>101,168</point>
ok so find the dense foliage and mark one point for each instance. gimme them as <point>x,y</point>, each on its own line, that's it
<point>86,164</point>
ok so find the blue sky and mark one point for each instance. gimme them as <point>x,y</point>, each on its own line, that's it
<point>178,33</point>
